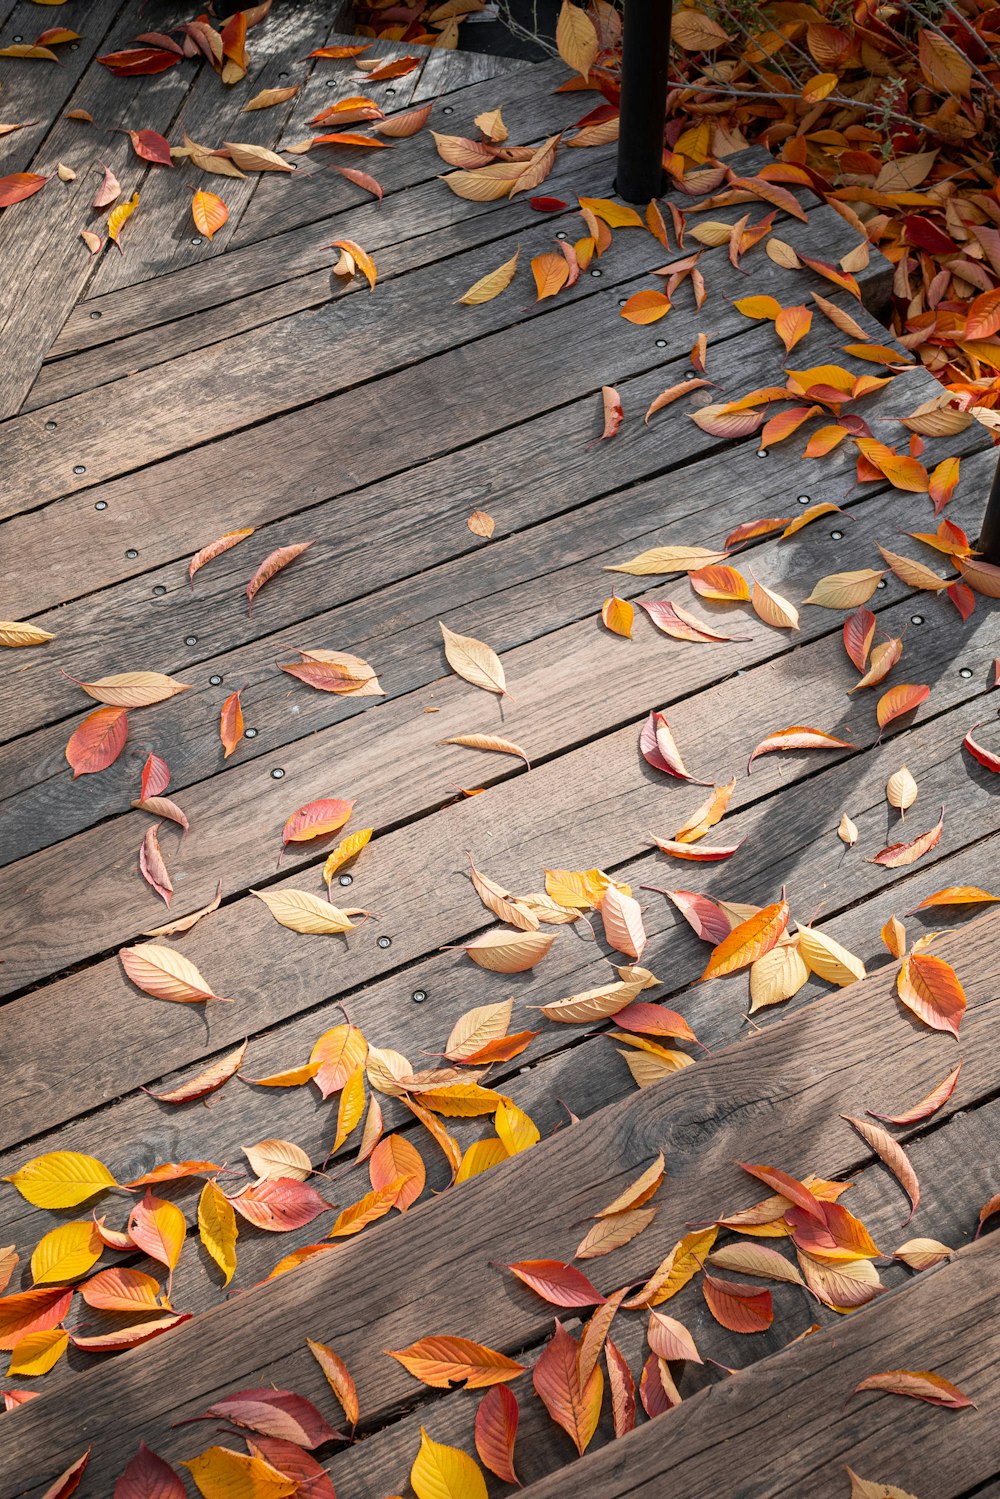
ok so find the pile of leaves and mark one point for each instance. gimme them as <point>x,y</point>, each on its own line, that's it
<point>890,112</point>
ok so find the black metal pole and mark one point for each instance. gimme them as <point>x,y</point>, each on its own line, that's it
<point>645,53</point>
<point>989,537</point>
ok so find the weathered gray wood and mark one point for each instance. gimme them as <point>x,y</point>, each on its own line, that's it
<point>791,1422</point>
<point>222,388</point>
<point>37,91</point>
<point>432,905</point>
<point>41,239</point>
<point>511,573</point>
<point>210,115</point>
<point>294,252</point>
<point>764,1100</point>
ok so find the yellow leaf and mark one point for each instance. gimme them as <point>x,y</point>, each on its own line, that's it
<point>350,1108</point>
<point>618,615</point>
<point>516,1129</point>
<point>827,958</point>
<point>662,560</point>
<point>481,1156</point>
<point>118,217</point>
<point>819,86</point>
<point>218,1228</point>
<point>441,1472</point>
<point>492,284</point>
<point>61,1179</point>
<point>221,1474</point>
<point>582,889</point>
<point>644,307</point>
<point>777,976</point>
<point>474,661</point>
<point>66,1253</point>
<point>758,307</point>
<point>844,590</point>
<point>475,1028</point>
<point>301,911</point>
<point>38,1352</point>
<point>14,633</point>
<point>576,39</point>
<point>209,213</point>
<point>348,848</point>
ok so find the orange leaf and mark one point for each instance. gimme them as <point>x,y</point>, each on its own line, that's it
<point>557,1283</point>
<point>739,1307</point>
<point>920,1384</point>
<point>551,272</point>
<point>397,1166</point>
<point>556,1380</point>
<point>931,988</point>
<point>443,1361</point>
<point>231,723</point>
<point>496,1429</point>
<point>98,741</point>
<point>798,737</point>
<point>315,820</point>
<point>748,941</point>
<point>278,559</point>
<point>928,1105</point>
<point>905,697</point>
<point>644,307</point>
<point>209,213</point>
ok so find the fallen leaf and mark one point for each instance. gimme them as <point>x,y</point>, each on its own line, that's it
<point>209,213</point>
<point>442,1362</point>
<point>337,1377</point>
<point>904,698</point>
<point>133,689</point>
<point>798,737</point>
<point>218,1229</point>
<point>165,974</point>
<point>219,1473</point>
<point>559,1284</point>
<point>489,742</point>
<point>897,855</point>
<point>206,1082</point>
<point>927,1106</point>
<point>920,1384</point>
<point>61,1179</point>
<point>441,1472</point>
<point>930,987</point>
<point>496,1430</point>
<point>301,911</point>
<point>98,741</point>
<point>216,548</point>
<point>118,218</point>
<point>748,941</point>
<point>556,1380</point>
<point>892,1154</point>
<point>272,564</point>
<point>738,1307</point>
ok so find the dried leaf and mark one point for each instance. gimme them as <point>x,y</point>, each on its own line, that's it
<point>930,987</point>
<point>897,855</point>
<point>338,1378</point>
<point>98,741</point>
<point>216,548</point>
<point>920,1384</point>
<point>798,737</point>
<point>165,974</point>
<point>748,941</point>
<point>441,1472</point>
<point>272,564</point>
<point>738,1307</point>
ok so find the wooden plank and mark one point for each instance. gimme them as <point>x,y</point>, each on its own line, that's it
<point>211,114</point>
<point>537,816</point>
<point>365,752</point>
<point>792,1421</point>
<point>500,365</point>
<point>266,371</point>
<point>409,230</point>
<point>37,91</point>
<point>293,252</point>
<point>189,631</point>
<point>762,1100</point>
<point>43,238</point>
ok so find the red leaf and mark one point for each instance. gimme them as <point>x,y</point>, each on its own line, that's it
<point>155,777</point>
<point>151,147</point>
<point>496,1429</point>
<point>653,1020</point>
<point>14,189</point>
<point>557,1283</point>
<point>739,1307</point>
<point>68,1482</point>
<point>280,1204</point>
<point>660,750</point>
<point>291,1461</point>
<point>136,61</point>
<point>622,1387</point>
<point>962,597</point>
<point>657,1390</point>
<point>987,758</point>
<point>786,1186</point>
<point>702,914</point>
<point>361,179</point>
<point>859,629</point>
<point>272,1413</point>
<point>149,1477</point>
<point>547,205</point>
<point>98,741</point>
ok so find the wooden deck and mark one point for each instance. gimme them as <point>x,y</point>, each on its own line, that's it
<point>155,400</point>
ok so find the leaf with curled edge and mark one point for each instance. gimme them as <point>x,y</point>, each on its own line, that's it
<point>185,923</point>
<point>797,737</point>
<point>623,926</point>
<point>919,1384</point>
<point>271,1413</point>
<point>891,1154</point>
<point>898,855</point>
<point>659,749</point>
<point>738,1307</point>
<point>338,1378</point>
<point>207,1081</point>
<point>273,563</point>
<point>216,548</point>
<point>928,1105</point>
<point>506,951</point>
<point>68,1482</point>
<point>930,987</point>
<point>575,1408</point>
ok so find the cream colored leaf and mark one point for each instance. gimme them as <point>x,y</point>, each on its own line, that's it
<point>756,1259</point>
<point>576,38</point>
<point>622,917</point>
<point>663,560</point>
<point>475,662</point>
<point>256,158</point>
<point>847,831</point>
<point>592,1004</point>
<point>901,789</point>
<point>489,742</point>
<point>827,958</point>
<point>269,97</point>
<point>844,590</point>
<point>609,1234</point>
<point>773,608</point>
<point>476,1027</point>
<point>301,911</point>
<point>133,689</point>
<point>272,1159</point>
<point>503,951</point>
<point>500,901</point>
<point>15,633</point>
<point>166,974</point>
<point>777,976</point>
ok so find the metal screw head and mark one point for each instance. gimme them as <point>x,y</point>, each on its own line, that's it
<point>159,590</point>
<point>661,343</point>
<point>19,39</point>
<point>346,879</point>
<point>196,239</point>
<point>215,680</point>
<point>100,505</point>
<point>762,452</point>
<point>74,46</point>
<point>803,499</point>
<point>51,426</point>
<point>965,672</point>
<point>916,619</point>
<point>94,317</point>
<point>561,234</point>
<point>622,301</point>
<point>384,942</point>
<point>79,468</point>
<point>881,583</point>
<point>190,640</point>
<point>131,553</point>
<point>390,91</point>
<point>249,733</point>
<point>277,773</point>
<point>418,996</point>
<point>836,535</point>
<point>448,110</point>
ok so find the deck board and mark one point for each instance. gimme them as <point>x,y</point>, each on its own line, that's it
<point>232,385</point>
